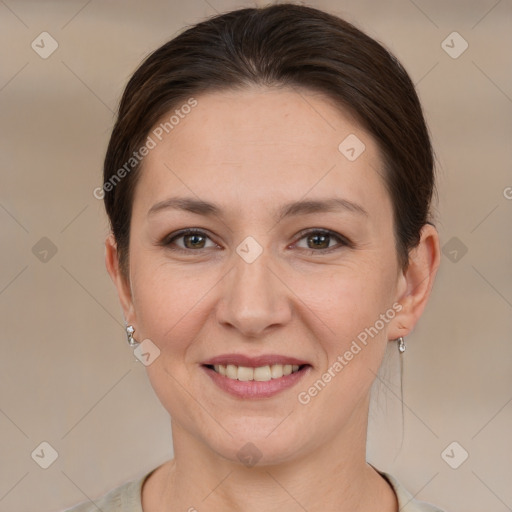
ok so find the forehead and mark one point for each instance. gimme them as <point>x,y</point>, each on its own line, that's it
<point>261,143</point>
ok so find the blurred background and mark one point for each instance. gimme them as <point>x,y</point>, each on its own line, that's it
<point>67,377</point>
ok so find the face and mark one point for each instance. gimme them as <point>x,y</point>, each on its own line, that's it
<point>295,257</point>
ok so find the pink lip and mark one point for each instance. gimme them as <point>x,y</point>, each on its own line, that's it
<point>255,389</point>
<point>253,362</point>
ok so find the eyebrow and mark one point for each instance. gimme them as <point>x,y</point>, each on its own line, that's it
<point>295,208</point>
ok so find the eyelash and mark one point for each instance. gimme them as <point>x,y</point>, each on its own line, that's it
<point>342,241</point>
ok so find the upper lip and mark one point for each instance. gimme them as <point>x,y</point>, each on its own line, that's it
<point>254,362</point>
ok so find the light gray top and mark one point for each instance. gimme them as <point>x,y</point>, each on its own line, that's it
<point>127,498</point>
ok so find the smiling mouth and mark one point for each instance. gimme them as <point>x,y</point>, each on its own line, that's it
<point>260,373</point>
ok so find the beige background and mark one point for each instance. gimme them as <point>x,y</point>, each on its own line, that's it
<point>66,375</point>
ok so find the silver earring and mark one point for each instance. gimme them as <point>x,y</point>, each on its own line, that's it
<point>129,334</point>
<point>401,345</point>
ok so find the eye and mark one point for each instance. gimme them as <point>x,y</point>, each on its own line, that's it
<point>192,239</point>
<point>319,240</point>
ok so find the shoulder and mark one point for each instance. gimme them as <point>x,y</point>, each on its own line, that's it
<point>406,501</point>
<point>125,498</point>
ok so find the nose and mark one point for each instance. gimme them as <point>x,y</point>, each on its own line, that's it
<point>254,299</point>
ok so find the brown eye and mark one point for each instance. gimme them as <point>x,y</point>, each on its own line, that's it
<point>189,240</point>
<point>194,241</point>
<point>321,240</point>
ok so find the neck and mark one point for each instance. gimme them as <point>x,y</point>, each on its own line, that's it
<point>334,471</point>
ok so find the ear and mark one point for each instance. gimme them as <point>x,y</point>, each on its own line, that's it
<point>121,282</point>
<point>415,283</point>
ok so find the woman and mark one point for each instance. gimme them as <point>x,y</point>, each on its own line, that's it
<point>268,183</point>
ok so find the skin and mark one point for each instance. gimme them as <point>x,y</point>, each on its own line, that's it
<point>250,152</point>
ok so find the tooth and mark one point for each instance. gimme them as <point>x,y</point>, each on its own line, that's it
<point>262,373</point>
<point>231,371</point>
<point>277,371</point>
<point>245,373</point>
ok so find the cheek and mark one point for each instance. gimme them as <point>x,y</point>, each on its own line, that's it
<point>351,309</point>
<point>348,299</point>
<point>171,311</point>
<point>349,314</point>
<point>169,302</point>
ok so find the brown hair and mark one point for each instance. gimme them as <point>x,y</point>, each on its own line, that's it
<point>280,45</point>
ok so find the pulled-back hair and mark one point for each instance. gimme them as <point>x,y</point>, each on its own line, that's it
<point>280,45</point>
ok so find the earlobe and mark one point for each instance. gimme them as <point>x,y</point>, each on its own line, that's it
<point>415,283</point>
<point>118,278</point>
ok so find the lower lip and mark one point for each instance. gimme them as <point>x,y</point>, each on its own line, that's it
<point>254,388</point>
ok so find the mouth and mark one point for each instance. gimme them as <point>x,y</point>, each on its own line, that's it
<point>255,382</point>
<point>260,373</point>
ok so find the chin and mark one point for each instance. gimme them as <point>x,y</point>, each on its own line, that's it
<point>259,444</point>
